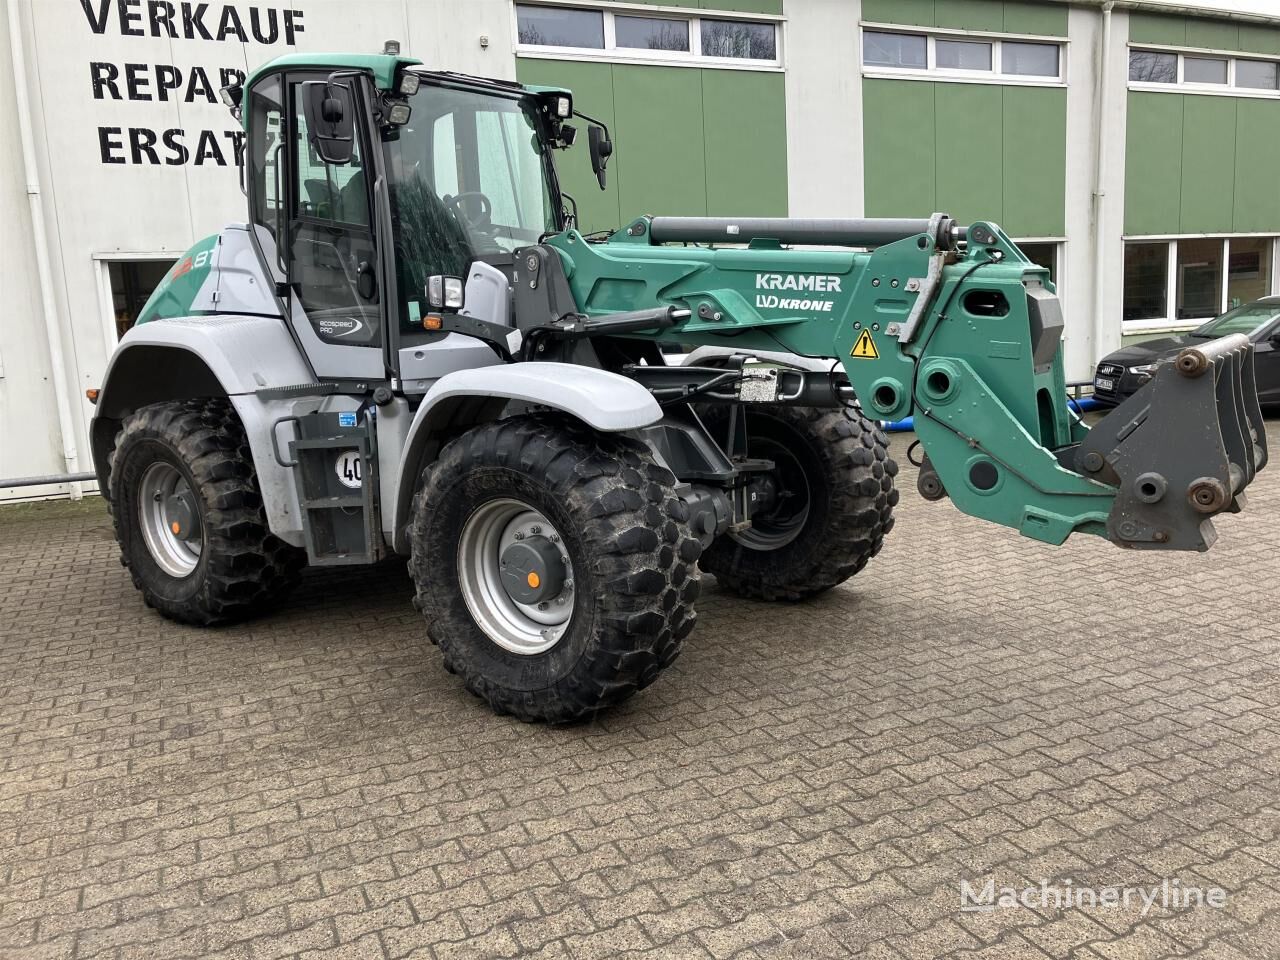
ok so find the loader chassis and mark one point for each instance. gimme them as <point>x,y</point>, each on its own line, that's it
<point>409,348</point>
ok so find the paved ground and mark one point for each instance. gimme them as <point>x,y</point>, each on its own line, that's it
<point>805,782</point>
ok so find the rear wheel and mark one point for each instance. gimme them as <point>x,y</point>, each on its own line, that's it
<point>554,566</point>
<point>826,505</point>
<point>189,517</point>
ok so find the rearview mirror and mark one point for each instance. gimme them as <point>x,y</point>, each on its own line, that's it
<point>601,150</point>
<point>331,122</point>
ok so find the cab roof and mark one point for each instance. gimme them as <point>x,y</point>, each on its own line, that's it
<point>382,66</point>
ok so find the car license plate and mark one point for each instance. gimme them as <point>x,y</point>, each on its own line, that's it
<point>1102,383</point>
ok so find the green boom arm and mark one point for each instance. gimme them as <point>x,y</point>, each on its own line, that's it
<point>959,329</point>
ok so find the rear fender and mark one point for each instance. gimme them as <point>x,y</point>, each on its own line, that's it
<point>218,356</point>
<point>604,401</point>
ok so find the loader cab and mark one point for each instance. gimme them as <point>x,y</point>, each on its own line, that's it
<point>365,181</point>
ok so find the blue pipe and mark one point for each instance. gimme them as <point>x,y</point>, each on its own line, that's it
<point>904,426</point>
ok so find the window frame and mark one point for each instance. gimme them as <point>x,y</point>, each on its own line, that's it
<point>1170,321</point>
<point>931,71</point>
<point>612,53</point>
<point>1182,85</point>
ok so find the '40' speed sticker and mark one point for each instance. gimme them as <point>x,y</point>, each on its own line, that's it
<point>350,469</point>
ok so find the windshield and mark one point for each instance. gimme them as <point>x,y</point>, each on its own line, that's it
<point>1248,319</point>
<point>467,179</point>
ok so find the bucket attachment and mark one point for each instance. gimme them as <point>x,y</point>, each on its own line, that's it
<point>1182,449</point>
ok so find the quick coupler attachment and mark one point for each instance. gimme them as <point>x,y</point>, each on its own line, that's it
<point>1182,449</point>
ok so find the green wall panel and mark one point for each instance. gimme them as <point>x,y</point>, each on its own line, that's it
<point>743,6</point>
<point>917,13</point>
<point>592,86</point>
<point>969,179</point>
<point>1153,28</point>
<point>1010,16</point>
<point>924,152</point>
<point>1046,19</point>
<point>1257,188</point>
<point>1201,164</point>
<point>1208,164</point>
<point>1035,174</point>
<point>746,164</point>
<point>1213,34</point>
<point>773,7</point>
<point>1259,39</point>
<point>1153,163</point>
<point>969,14</point>
<point>659,152</point>
<point>680,143</point>
<point>900,177</point>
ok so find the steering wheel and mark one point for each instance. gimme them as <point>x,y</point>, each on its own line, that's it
<point>462,206</point>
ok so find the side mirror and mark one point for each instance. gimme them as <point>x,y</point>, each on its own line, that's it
<point>331,120</point>
<point>601,150</point>
<point>445,293</point>
<point>1275,338</point>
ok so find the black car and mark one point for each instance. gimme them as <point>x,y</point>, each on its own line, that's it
<point>1120,374</point>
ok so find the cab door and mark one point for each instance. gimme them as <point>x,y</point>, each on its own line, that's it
<point>336,306</point>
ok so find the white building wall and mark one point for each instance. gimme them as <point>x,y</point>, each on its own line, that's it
<point>132,207</point>
<point>30,442</point>
<point>824,108</point>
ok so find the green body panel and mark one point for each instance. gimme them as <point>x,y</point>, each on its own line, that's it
<point>721,166</point>
<point>911,169</point>
<point>176,294</point>
<point>992,16</point>
<point>759,298</point>
<point>1200,164</point>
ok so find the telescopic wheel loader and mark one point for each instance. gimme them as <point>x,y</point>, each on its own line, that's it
<point>410,349</point>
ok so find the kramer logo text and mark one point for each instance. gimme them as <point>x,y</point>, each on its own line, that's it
<point>808,283</point>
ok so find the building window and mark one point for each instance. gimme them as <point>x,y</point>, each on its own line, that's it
<point>1042,254</point>
<point>651,33</point>
<point>555,27</point>
<point>550,31</point>
<point>1204,73</point>
<point>1030,59</point>
<point>1183,281</point>
<point>964,58</point>
<point>740,41</point>
<point>904,50</point>
<point>1257,74</point>
<point>1199,288</point>
<point>1150,66</point>
<point>963,55</point>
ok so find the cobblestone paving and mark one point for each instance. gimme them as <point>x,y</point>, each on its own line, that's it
<point>807,781</point>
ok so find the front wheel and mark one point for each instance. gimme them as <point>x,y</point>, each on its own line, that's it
<point>554,566</point>
<point>825,507</point>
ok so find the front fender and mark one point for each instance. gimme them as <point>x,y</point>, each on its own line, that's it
<point>604,401</point>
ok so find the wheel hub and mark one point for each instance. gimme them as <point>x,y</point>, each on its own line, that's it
<point>515,576</point>
<point>170,519</point>
<point>532,570</point>
<point>181,516</point>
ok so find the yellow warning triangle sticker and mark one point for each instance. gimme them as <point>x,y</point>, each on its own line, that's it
<point>865,348</point>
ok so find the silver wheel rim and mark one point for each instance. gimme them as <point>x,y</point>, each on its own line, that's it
<point>522,628</point>
<point>175,555</point>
